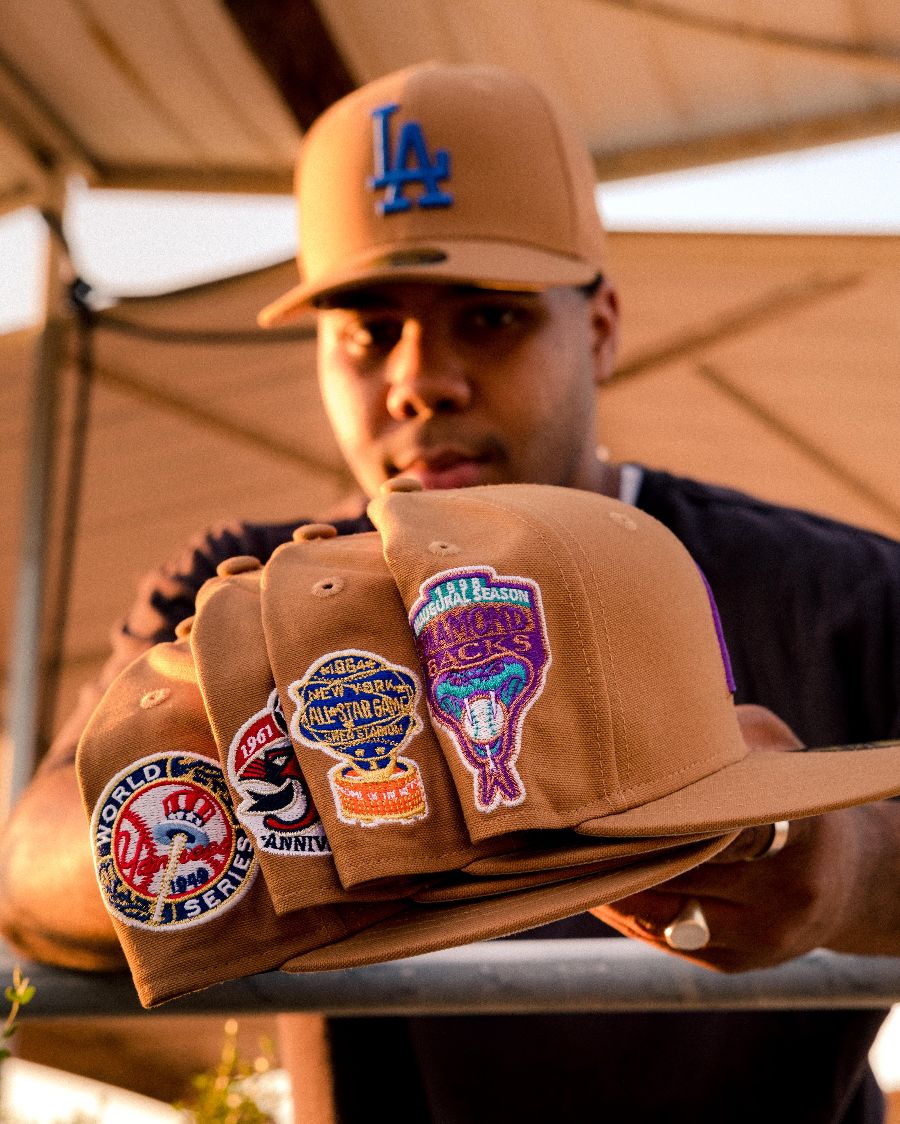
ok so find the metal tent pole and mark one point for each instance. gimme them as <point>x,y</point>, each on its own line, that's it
<point>26,638</point>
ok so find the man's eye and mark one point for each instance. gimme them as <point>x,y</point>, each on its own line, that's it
<point>493,318</point>
<point>366,337</point>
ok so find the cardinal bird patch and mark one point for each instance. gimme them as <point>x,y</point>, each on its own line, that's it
<point>276,806</point>
<point>482,642</point>
<point>167,848</point>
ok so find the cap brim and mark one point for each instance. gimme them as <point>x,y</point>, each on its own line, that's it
<point>486,264</point>
<point>763,787</point>
<point>571,850</point>
<point>427,928</point>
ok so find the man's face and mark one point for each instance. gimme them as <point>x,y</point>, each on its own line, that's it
<point>459,386</point>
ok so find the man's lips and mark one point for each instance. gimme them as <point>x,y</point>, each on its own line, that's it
<point>444,468</point>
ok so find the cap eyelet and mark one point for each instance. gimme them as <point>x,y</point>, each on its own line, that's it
<point>442,548</point>
<point>154,698</point>
<point>328,587</point>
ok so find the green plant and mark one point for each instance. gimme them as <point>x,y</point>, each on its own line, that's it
<point>18,995</point>
<point>224,1095</point>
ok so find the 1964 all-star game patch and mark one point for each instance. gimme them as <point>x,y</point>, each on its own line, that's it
<point>167,848</point>
<point>362,709</point>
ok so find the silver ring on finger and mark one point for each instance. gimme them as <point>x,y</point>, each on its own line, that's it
<point>689,929</point>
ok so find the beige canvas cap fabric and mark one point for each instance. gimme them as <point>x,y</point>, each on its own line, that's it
<point>347,673</point>
<point>468,174</point>
<point>576,675</point>
<point>427,928</point>
<point>270,795</point>
<point>177,872</point>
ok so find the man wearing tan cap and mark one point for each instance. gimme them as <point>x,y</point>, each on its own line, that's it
<point>450,242</point>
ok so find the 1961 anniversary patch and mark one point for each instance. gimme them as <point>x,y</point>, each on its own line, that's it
<point>276,806</point>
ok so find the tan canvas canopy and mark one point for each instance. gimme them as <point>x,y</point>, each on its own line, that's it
<point>761,362</point>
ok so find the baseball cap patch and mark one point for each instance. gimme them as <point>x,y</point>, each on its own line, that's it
<point>362,709</point>
<point>483,645</point>
<point>168,850</point>
<point>276,806</point>
<point>408,162</point>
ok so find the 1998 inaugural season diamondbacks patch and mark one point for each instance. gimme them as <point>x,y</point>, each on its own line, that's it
<point>168,850</point>
<point>482,642</point>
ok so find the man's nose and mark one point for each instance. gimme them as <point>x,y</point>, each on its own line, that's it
<point>426,375</point>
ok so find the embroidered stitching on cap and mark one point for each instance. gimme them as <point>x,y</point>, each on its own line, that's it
<point>394,170</point>
<point>168,850</point>
<point>358,707</point>
<point>482,641</point>
<point>276,806</point>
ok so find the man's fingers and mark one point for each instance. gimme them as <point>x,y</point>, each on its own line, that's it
<point>755,843</point>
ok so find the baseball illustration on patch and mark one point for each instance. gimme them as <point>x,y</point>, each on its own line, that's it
<point>482,642</point>
<point>276,806</point>
<point>168,850</point>
<point>360,708</point>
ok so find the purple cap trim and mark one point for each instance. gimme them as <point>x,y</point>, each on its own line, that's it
<point>717,620</point>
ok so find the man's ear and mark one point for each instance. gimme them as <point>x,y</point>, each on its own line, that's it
<point>605,330</point>
<point>761,729</point>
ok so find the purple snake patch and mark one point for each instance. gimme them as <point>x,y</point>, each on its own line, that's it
<point>483,645</point>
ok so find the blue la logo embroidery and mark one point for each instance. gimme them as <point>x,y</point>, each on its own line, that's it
<point>482,641</point>
<point>408,163</point>
<point>276,806</point>
<point>167,848</point>
<point>361,709</point>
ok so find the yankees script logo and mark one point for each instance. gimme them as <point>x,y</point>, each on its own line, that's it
<point>409,163</point>
<point>482,642</point>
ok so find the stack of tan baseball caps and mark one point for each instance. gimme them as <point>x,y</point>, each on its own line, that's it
<point>505,706</point>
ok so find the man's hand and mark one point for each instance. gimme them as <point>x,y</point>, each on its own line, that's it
<point>835,884</point>
<point>50,904</point>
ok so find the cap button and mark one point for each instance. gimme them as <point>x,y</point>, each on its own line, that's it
<point>239,564</point>
<point>183,628</point>
<point>314,531</point>
<point>401,484</point>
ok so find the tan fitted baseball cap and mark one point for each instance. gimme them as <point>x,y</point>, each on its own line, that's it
<point>347,674</point>
<point>177,872</point>
<point>577,676</point>
<point>467,174</point>
<point>270,794</point>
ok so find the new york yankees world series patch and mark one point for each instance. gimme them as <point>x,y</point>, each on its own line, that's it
<point>360,708</point>
<point>482,642</point>
<point>168,850</point>
<point>276,805</point>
